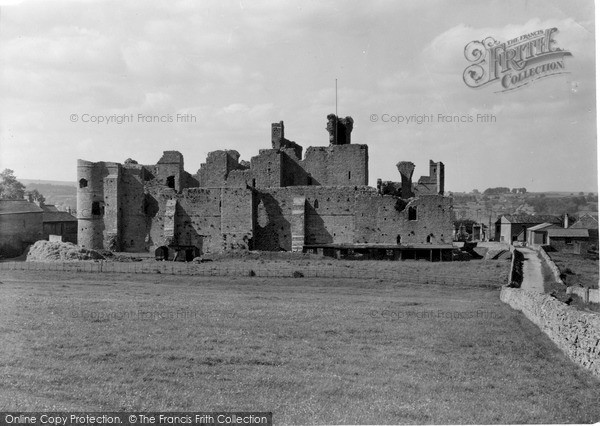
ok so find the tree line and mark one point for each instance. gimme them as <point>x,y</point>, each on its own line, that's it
<point>12,189</point>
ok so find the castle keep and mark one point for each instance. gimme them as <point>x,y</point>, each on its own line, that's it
<point>280,200</point>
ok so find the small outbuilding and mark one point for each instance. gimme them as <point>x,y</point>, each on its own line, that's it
<point>20,226</point>
<point>569,240</point>
<point>59,224</point>
<point>512,228</point>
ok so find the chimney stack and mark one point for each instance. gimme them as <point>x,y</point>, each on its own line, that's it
<point>566,220</point>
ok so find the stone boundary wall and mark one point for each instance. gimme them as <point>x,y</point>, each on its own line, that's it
<point>516,268</point>
<point>588,295</point>
<point>512,265</point>
<point>222,270</point>
<point>545,258</point>
<point>575,332</point>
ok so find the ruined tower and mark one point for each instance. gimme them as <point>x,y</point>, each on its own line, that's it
<point>339,129</point>
<point>406,169</point>
<point>98,204</point>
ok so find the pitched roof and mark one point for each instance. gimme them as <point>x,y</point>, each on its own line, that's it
<point>526,218</point>
<point>56,216</point>
<point>567,233</point>
<point>49,207</point>
<point>542,226</point>
<point>586,221</point>
<point>18,206</point>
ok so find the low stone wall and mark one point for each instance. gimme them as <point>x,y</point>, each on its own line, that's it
<point>576,333</point>
<point>267,270</point>
<point>546,259</point>
<point>587,294</point>
<point>512,267</point>
<point>515,277</point>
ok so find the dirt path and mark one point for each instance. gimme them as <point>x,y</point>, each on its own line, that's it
<point>532,271</point>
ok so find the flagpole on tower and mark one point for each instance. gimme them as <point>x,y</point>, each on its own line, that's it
<point>336,98</point>
<point>336,111</point>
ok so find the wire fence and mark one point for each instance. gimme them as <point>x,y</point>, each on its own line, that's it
<point>210,269</point>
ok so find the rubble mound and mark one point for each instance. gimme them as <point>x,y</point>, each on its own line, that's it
<point>47,251</point>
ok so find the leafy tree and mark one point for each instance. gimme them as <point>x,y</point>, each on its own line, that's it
<point>468,224</point>
<point>10,187</point>
<point>496,191</point>
<point>35,196</point>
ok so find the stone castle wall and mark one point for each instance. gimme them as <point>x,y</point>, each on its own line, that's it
<point>355,215</point>
<point>277,201</point>
<point>336,165</point>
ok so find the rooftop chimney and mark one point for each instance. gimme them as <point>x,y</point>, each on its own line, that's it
<point>566,220</point>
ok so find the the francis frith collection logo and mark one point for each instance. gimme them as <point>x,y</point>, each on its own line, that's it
<point>515,63</point>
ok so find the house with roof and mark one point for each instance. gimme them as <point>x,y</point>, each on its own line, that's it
<point>574,239</point>
<point>512,228</point>
<point>20,225</point>
<point>538,235</point>
<point>58,225</point>
<point>569,240</point>
<point>589,222</point>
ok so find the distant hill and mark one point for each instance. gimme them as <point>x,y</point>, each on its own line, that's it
<point>59,193</point>
<point>48,182</point>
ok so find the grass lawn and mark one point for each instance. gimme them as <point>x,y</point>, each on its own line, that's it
<point>309,350</point>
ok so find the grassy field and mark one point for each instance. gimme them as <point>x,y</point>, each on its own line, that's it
<point>577,269</point>
<point>309,350</point>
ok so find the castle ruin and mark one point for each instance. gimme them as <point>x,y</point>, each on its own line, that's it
<point>280,200</point>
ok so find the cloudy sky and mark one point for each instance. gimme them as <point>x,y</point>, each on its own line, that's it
<point>238,66</point>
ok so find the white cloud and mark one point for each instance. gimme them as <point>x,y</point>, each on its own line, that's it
<point>237,67</point>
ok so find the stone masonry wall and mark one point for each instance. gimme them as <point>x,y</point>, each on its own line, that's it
<point>219,164</point>
<point>330,216</point>
<point>18,230</point>
<point>577,245</point>
<point>267,168</point>
<point>237,218</point>
<point>382,219</point>
<point>338,165</point>
<point>576,333</point>
<point>198,221</point>
<point>550,263</point>
<point>347,215</point>
<point>132,209</point>
<point>272,228</point>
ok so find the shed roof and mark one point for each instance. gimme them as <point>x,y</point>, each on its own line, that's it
<point>543,226</point>
<point>18,206</point>
<point>568,233</point>
<point>527,218</point>
<point>57,216</point>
